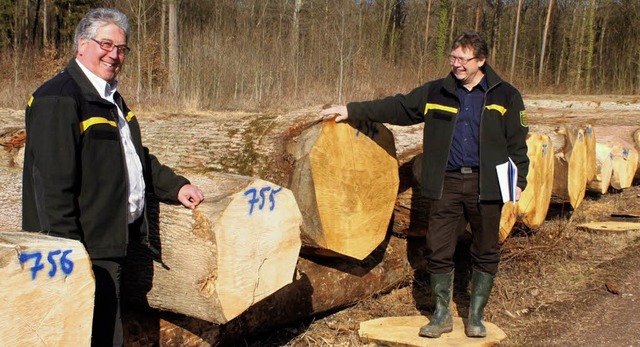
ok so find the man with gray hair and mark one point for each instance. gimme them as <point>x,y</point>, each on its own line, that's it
<point>86,174</point>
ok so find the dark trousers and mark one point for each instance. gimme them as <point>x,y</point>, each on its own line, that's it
<point>460,204</point>
<point>107,327</point>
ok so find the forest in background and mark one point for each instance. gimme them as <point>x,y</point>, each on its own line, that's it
<point>265,54</point>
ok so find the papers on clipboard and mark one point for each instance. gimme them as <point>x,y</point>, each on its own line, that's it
<point>508,180</point>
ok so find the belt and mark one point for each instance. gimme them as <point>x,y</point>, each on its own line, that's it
<point>465,170</point>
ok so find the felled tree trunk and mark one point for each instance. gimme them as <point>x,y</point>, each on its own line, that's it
<point>604,170</point>
<point>321,285</point>
<point>534,201</point>
<point>47,291</point>
<point>342,176</point>
<point>411,211</point>
<point>345,179</point>
<point>240,245</point>
<point>623,141</point>
<point>590,140</point>
<point>570,153</point>
<point>624,160</point>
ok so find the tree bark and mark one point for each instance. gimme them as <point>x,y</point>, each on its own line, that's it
<point>47,291</point>
<point>544,41</point>
<point>174,74</point>
<point>321,285</point>
<point>237,247</point>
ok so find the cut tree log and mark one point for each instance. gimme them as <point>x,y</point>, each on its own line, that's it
<point>240,245</point>
<point>624,160</point>
<point>403,331</point>
<point>604,170</point>
<point>570,153</point>
<point>345,179</point>
<point>623,142</point>
<point>411,211</point>
<point>534,201</point>
<point>590,140</point>
<point>322,284</point>
<point>47,291</point>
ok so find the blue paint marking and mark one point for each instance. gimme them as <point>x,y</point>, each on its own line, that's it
<point>260,198</point>
<point>66,265</point>
<point>367,128</point>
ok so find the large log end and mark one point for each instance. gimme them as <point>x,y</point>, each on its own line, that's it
<point>47,291</point>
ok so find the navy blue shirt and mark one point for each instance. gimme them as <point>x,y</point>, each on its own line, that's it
<point>465,147</point>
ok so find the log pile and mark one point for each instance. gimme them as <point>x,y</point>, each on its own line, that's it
<point>224,275</point>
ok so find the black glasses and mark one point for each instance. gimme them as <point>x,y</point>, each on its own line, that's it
<point>109,46</point>
<point>463,61</point>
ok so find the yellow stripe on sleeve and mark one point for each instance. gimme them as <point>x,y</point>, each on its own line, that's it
<point>130,115</point>
<point>30,101</point>
<point>440,107</point>
<point>95,120</point>
<point>498,108</point>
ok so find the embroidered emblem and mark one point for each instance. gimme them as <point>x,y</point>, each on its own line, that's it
<point>523,119</point>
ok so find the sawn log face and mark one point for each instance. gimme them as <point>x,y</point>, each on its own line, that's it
<point>240,245</point>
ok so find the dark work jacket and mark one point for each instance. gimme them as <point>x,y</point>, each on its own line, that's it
<point>75,182</point>
<point>503,128</point>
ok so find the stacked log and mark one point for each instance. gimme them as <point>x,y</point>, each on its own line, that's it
<point>620,141</point>
<point>570,159</point>
<point>240,245</point>
<point>534,201</point>
<point>604,170</point>
<point>47,291</point>
<point>345,180</point>
<point>322,284</point>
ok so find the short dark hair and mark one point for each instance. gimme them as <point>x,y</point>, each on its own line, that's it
<point>472,40</point>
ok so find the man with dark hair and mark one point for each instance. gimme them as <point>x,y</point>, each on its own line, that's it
<point>86,174</point>
<point>473,122</point>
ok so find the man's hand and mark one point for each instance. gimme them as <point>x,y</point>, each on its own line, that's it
<point>190,196</point>
<point>339,112</point>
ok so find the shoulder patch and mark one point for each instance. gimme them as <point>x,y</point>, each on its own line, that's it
<point>523,119</point>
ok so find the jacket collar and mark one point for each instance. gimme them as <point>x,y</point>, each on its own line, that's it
<point>89,91</point>
<point>449,83</point>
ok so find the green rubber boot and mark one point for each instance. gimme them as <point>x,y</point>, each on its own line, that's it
<point>441,290</point>
<point>481,285</point>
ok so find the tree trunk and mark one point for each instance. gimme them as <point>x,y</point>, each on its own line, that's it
<point>604,170</point>
<point>544,41</point>
<point>47,291</point>
<point>570,153</point>
<point>534,201</point>
<point>321,286</point>
<point>619,140</point>
<point>345,180</point>
<point>174,79</point>
<point>237,247</point>
<point>515,41</point>
<point>590,44</point>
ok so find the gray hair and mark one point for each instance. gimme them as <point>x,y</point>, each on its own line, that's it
<point>97,18</point>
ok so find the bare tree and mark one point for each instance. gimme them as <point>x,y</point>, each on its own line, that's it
<point>544,41</point>
<point>591,43</point>
<point>515,41</point>
<point>174,78</point>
